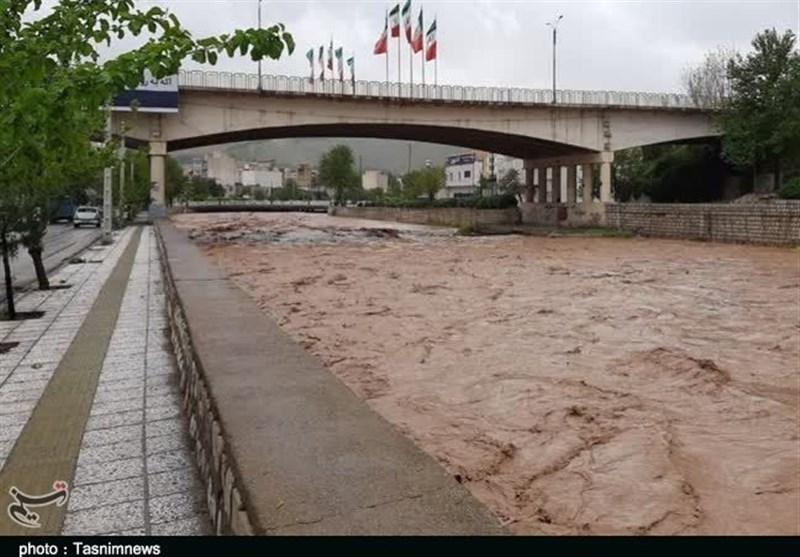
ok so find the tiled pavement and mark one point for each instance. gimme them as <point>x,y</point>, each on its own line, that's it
<point>135,473</point>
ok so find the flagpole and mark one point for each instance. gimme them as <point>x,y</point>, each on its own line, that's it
<point>436,59</point>
<point>398,62</point>
<point>386,27</point>
<point>422,34</point>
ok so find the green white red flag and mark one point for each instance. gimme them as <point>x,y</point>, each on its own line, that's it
<point>417,42</point>
<point>406,20</point>
<point>310,56</point>
<point>394,18</point>
<point>383,41</point>
<point>430,51</point>
<point>322,63</point>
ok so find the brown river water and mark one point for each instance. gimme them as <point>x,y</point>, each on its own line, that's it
<point>574,385</point>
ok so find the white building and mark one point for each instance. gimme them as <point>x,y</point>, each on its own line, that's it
<point>262,175</point>
<point>462,174</point>
<point>222,168</point>
<point>374,179</point>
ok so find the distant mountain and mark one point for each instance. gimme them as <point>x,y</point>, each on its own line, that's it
<point>377,154</point>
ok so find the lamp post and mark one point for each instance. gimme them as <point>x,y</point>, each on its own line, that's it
<point>554,26</point>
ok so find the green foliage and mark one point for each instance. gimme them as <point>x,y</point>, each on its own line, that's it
<point>503,201</point>
<point>177,181</point>
<point>632,174</point>
<point>510,183</point>
<point>54,84</point>
<point>337,172</point>
<point>667,174</point>
<point>199,188</point>
<point>790,189</point>
<point>423,182</point>
<point>761,124</point>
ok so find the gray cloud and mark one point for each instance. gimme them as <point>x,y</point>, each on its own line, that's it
<point>641,45</point>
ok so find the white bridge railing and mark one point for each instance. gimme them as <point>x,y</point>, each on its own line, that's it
<point>454,93</point>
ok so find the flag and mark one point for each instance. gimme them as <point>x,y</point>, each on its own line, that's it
<point>430,52</point>
<point>394,15</point>
<point>322,63</point>
<point>339,63</point>
<point>330,56</point>
<point>310,56</point>
<point>417,43</point>
<point>407,20</point>
<point>383,41</point>
<point>351,63</point>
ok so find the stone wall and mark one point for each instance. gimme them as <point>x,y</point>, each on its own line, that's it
<point>563,214</point>
<point>227,511</point>
<point>776,223</point>
<point>455,216</point>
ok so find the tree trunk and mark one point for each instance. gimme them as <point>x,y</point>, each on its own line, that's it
<point>12,312</point>
<point>38,265</point>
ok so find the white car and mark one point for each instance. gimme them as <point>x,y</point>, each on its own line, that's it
<point>87,215</point>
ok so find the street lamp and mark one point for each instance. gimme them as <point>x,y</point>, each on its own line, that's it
<point>554,26</point>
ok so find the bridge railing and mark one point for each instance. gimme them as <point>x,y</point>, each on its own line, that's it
<point>454,93</point>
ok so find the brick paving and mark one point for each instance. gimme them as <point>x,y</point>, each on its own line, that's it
<point>134,472</point>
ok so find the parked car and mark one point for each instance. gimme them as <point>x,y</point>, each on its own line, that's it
<point>65,210</point>
<point>87,215</point>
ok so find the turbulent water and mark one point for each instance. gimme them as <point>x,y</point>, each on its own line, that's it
<point>574,385</point>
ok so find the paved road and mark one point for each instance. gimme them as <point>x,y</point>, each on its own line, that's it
<point>60,244</point>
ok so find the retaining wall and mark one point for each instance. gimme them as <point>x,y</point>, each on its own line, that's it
<point>446,216</point>
<point>776,223</point>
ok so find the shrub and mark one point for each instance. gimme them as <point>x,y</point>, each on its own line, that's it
<point>790,189</point>
<point>504,201</point>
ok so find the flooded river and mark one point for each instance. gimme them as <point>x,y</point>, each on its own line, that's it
<point>574,385</point>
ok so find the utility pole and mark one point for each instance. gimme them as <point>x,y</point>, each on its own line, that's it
<point>108,205</point>
<point>554,26</point>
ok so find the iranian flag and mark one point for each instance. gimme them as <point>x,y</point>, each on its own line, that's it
<point>406,20</point>
<point>430,52</point>
<point>383,41</point>
<point>394,17</point>
<point>417,42</point>
<point>339,63</point>
<point>330,56</point>
<point>310,56</point>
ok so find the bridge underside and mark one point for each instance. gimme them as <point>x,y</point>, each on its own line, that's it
<point>506,144</point>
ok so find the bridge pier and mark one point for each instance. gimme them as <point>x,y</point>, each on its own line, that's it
<point>555,184</point>
<point>529,185</point>
<point>605,181</point>
<point>587,183</point>
<point>572,183</point>
<point>158,179</point>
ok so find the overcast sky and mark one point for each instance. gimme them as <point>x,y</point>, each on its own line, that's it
<point>635,45</point>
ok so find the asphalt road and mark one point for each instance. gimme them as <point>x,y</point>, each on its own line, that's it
<point>61,243</point>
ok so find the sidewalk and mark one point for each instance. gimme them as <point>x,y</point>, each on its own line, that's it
<point>88,396</point>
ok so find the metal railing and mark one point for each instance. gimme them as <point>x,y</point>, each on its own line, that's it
<point>197,79</point>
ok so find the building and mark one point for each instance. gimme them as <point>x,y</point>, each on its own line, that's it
<point>375,179</point>
<point>222,168</point>
<point>305,177</point>
<point>462,174</point>
<point>262,175</point>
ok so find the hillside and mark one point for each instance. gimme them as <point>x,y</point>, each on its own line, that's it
<point>382,154</point>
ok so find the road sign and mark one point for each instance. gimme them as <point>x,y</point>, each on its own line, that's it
<point>152,95</point>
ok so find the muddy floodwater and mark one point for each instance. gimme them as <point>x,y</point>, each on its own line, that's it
<point>574,385</point>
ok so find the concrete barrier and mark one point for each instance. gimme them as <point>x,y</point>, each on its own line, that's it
<point>284,446</point>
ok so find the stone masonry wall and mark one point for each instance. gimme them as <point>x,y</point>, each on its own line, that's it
<point>447,216</point>
<point>228,513</point>
<point>774,223</point>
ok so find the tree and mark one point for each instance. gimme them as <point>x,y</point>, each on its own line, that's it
<point>510,183</point>
<point>761,124</point>
<point>177,181</point>
<point>632,174</point>
<point>423,182</point>
<point>337,171</point>
<point>54,85</point>
<point>708,84</point>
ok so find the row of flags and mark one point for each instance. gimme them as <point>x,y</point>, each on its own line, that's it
<point>415,39</point>
<point>339,54</point>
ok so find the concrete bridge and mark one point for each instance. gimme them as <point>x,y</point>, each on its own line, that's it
<point>575,137</point>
